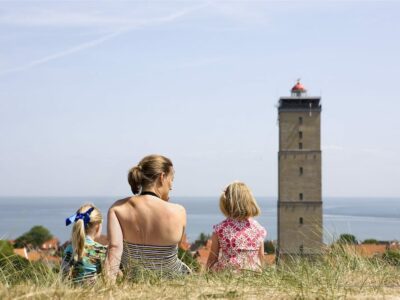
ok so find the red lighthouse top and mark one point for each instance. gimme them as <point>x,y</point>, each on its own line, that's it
<point>298,90</point>
<point>298,87</point>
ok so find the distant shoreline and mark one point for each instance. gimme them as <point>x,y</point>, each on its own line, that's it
<point>375,218</point>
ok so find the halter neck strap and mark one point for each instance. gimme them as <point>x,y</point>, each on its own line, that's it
<point>149,193</point>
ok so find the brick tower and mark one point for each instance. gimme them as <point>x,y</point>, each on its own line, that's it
<point>299,167</point>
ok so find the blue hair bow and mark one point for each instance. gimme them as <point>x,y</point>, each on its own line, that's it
<point>79,216</point>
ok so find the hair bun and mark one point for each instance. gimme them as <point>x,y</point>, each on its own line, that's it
<point>135,177</point>
<point>144,174</point>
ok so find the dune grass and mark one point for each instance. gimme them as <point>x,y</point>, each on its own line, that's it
<point>338,274</point>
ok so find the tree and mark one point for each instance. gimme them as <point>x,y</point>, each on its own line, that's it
<point>269,247</point>
<point>347,238</point>
<point>201,241</point>
<point>34,237</point>
<point>203,238</point>
<point>370,241</point>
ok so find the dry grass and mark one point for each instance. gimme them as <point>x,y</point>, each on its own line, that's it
<point>337,275</point>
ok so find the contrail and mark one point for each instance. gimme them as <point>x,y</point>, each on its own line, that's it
<point>67,52</point>
<point>100,40</point>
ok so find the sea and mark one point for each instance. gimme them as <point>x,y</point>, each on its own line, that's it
<point>366,218</point>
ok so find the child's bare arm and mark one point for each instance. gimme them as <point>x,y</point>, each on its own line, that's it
<point>261,253</point>
<point>213,257</point>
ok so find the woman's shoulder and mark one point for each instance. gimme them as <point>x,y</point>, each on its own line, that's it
<point>119,203</point>
<point>177,207</point>
<point>172,211</point>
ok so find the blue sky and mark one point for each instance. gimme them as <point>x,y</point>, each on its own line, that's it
<point>87,88</point>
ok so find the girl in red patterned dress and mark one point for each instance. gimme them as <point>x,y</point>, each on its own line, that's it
<point>238,241</point>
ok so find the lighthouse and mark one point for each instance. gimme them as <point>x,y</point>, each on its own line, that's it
<point>299,174</point>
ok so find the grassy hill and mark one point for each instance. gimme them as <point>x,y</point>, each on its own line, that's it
<point>339,274</point>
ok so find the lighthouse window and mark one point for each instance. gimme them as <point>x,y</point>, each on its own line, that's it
<point>301,196</point>
<point>300,134</point>
<point>300,120</point>
<point>301,171</point>
<point>300,145</point>
<point>301,221</point>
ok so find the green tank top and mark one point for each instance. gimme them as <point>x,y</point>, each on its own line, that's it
<point>87,268</point>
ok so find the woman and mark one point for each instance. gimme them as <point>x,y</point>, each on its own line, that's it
<point>144,230</point>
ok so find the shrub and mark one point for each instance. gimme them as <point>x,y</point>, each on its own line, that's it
<point>392,257</point>
<point>269,247</point>
<point>16,269</point>
<point>187,257</point>
<point>6,249</point>
<point>347,238</point>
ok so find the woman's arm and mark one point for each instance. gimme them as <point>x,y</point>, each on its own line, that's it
<point>213,257</point>
<point>115,237</point>
<point>184,220</point>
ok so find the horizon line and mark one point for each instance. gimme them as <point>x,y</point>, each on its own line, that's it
<point>177,196</point>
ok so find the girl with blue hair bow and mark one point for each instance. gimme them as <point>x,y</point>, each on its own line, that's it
<point>83,258</point>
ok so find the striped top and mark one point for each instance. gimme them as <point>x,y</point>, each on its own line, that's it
<point>161,259</point>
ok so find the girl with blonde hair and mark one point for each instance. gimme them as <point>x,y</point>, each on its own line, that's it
<point>238,241</point>
<point>83,258</point>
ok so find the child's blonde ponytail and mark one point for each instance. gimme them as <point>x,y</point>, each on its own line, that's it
<point>91,215</point>
<point>78,239</point>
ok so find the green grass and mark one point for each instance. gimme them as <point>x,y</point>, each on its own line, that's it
<point>339,274</point>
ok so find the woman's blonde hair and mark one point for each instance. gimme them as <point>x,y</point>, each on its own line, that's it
<point>238,202</point>
<point>79,230</point>
<point>146,172</point>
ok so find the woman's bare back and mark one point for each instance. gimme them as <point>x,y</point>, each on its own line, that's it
<point>149,220</point>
